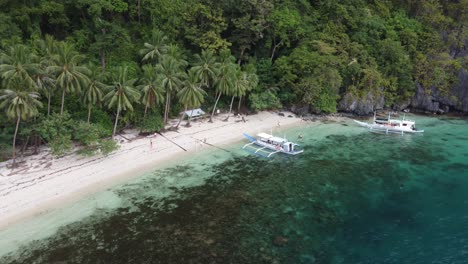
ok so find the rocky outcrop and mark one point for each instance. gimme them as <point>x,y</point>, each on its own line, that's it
<point>361,106</point>
<point>433,101</point>
<point>430,99</point>
<point>300,110</point>
<point>461,92</point>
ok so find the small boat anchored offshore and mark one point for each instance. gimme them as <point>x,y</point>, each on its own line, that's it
<point>389,125</point>
<point>267,145</point>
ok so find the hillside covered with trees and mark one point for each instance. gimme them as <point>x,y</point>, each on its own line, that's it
<point>81,70</point>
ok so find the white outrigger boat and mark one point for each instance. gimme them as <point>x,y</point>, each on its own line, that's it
<point>389,125</point>
<point>267,145</point>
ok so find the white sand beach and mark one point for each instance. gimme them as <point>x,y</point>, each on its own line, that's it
<point>43,182</point>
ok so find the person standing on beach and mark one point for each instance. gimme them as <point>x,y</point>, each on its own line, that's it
<point>151,143</point>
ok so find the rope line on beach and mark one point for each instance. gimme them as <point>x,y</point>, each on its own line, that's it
<point>198,140</point>
<point>217,147</point>
<point>171,141</point>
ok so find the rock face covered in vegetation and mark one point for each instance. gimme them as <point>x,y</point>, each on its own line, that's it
<point>361,106</point>
<point>430,100</point>
<point>456,99</point>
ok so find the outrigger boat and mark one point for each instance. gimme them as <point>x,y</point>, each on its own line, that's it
<point>267,145</point>
<point>389,125</point>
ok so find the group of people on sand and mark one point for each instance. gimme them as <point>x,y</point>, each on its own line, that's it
<point>241,116</point>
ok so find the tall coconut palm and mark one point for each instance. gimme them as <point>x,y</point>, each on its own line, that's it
<point>206,67</point>
<point>251,81</point>
<point>93,91</point>
<point>123,93</point>
<point>225,78</point>
<point>171,78</point>
<point>224,84</point>
<point>177,53</point>
<point>240,85</point>
<point>191,95</point>
<point>44,78</point>
<point>156,47</point>
<point>71,76</point>
<point>17,62</point>
<point>152,92</point>
<point>20,103</point>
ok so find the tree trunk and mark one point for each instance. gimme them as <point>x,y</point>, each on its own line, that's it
<point>48,104</point>
<point>14,141</point>
<point>103,59</point>
<point>240,56</point>
<point>189,118</point>
<point>144,118</point>
<point>24,147</point>
<point>116,121</point>
<point>63,101</point>
<point>239,105</point>
<point>36,144</point>
<point>230,109</point>
<point>274,49</point>
<point>166,109</point>
<point>214,108</point>
<point>89,112</point>
<point>182,116</point>
<point>102,53</point>
<point>139,10</point>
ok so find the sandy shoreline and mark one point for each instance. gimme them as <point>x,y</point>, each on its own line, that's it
<point>43,183</point>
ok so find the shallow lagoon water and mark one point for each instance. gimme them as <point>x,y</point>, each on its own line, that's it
<point>351,197</point>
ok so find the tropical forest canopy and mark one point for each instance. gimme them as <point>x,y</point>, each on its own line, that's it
<point>80,70</point>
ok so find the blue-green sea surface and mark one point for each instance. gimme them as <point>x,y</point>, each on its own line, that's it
<point>352,197</point>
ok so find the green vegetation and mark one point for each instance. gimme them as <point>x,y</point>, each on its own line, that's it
<point>158,57</point>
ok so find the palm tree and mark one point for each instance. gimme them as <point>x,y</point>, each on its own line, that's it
<point>156,47</point>
<point>151,88</point>
<point>123,93</point>
<point>224,84</point>
<point>206,67</point>
<point>171,78</point>
<point>191,95</point>
<point>251,81</point>
<point>177,53</point>
<point>17,62</point>
<point>93,93</point>
<point>43,76</point>
<point>20,103</point>
<point>71,77</point>
<point>238,89</point>
<point>225,78</point>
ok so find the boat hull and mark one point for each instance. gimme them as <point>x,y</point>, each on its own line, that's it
<point>264,149</point>
<point>281,150</point>
<point>386,128</point>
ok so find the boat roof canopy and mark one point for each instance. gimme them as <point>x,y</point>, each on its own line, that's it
<point>271,138</point>
<point>194,113</point>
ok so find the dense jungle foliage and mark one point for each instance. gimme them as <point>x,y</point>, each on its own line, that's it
<point>80,70</point>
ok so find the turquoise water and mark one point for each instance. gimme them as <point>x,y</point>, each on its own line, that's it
<point>351,197</point>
